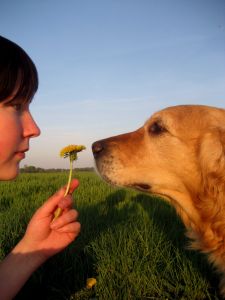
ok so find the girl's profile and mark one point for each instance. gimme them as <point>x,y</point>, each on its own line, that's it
<point>43,238</point>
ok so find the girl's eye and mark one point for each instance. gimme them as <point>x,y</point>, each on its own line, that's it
<point>18,107</point>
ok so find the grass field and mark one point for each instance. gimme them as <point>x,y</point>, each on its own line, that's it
<point>133,244</point>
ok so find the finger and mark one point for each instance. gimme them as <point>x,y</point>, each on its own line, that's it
<point>66,202</point>
<point>70,228</point>
<point>73,185</point>
<point>64,219</point>
<point>49,206</point>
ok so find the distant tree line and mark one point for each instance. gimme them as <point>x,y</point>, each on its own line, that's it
<point>33,169</point>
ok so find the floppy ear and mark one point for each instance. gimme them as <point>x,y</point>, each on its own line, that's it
<point>212,162</point>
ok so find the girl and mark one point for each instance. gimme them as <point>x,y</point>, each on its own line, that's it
<point>43,238</point>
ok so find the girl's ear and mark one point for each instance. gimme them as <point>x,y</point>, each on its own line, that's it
<point>212,162</point>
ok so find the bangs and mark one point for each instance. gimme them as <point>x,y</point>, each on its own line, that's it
<point>18,74</point>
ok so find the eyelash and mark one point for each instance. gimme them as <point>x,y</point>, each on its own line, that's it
<point>18,107</point>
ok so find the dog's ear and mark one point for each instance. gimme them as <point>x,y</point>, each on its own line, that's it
<point>212,162</point>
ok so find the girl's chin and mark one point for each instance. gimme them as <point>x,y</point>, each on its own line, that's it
<point>9,174</point>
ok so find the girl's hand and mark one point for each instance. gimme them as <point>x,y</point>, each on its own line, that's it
<point>46,237</point>
<point>43,238</point>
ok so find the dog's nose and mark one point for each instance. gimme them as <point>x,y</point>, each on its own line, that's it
<point>97,148</point>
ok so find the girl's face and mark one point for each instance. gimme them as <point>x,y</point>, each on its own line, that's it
<point>16,128</point>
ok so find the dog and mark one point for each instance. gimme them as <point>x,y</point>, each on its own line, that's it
<point>178,154</point>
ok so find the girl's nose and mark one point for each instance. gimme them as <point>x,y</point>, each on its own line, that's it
<point>30,127</point>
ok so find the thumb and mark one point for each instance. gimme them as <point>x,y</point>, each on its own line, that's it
<point>49,206</point>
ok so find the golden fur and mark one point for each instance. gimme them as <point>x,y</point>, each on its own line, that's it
<point>179,154</point>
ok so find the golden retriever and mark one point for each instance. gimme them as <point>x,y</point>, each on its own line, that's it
<point>179,154</point>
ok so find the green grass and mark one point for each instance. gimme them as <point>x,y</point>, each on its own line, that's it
<point>133,244</point>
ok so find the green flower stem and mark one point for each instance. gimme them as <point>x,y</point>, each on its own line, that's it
<point>58,211</point>
<point>70,177</point>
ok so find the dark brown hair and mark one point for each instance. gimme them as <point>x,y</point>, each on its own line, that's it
<point>18,73</point>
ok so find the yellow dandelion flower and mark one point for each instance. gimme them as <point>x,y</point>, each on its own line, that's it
<point>90,283</point>
<point>71,152</point>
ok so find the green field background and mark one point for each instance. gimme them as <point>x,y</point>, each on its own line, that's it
<point>133,244</point>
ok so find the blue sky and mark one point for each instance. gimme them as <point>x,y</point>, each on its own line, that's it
<point>106,65</point>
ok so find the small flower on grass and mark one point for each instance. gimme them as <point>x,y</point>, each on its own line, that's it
<point>71,152</point>
<point>90,283</point>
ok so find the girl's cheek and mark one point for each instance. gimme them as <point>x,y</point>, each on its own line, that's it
<point>2,154</point>
<point>2,146</point>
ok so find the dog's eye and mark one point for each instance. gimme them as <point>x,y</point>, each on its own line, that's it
<point>156,128</point>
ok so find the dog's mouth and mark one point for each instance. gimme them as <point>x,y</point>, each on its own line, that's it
<point>137,185</point>
<point>141,186</point>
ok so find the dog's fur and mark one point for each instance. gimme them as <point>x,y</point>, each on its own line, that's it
<point>179,154</point>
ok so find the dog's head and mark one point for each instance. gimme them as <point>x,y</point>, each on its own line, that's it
<point>174,152</point>
<point>179,154</point>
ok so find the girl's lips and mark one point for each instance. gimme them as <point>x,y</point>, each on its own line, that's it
<point>21,155</point>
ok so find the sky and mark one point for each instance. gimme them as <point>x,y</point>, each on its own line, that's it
<point>106,65</point>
